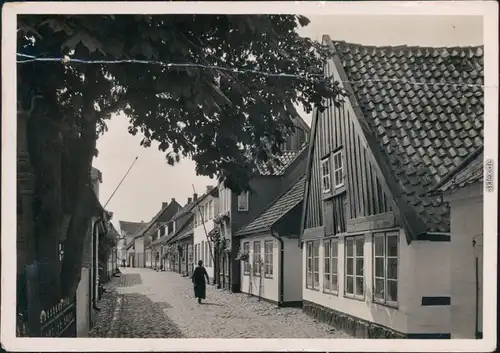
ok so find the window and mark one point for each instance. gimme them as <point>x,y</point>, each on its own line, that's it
<point>385,249</point>
<point>211,209</point>
<point>338,170</point>
<point>246,264</point>
<point>354,271</point>
<point>330,281</point>
<point>325,175</point>
<point>243,201</point>
<point>256,258</point>
<point>268,258</point>
<point>312,266</point>
<point>203,251</point>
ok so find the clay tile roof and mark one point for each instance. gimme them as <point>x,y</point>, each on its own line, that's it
<point>131,227</point>
<point>469,172</point>
<point>278,168</point>
<point>424,128</point>
<point>277,209</point>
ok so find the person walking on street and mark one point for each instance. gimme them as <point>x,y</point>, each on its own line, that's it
<point>198,278</point>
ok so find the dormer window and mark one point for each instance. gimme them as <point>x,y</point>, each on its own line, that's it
<point>243,201</point>
<point>325,175</point>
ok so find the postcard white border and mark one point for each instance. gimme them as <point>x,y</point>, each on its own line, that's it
<point>487,9</point>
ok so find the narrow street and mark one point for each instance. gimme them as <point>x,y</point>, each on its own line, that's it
<point>143,303</point>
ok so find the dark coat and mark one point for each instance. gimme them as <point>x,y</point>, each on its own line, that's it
<point>198,278</point>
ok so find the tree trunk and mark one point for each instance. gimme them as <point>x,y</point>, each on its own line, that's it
<point>45,153</point>
<point>82,208</point>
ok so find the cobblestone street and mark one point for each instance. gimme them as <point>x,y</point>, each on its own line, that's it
<point>149,304</point>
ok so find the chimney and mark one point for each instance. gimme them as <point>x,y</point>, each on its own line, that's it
<point>189,200</point>
<point>164,205</point>
<point>172,200</point>
<point>209,188</point>
<point>195,197</point>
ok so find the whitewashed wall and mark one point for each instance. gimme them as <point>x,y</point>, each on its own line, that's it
<point>423,269</point>
<point>82,304</point>
<point>466,225</point>
<point>199,235</point>
<point>139,252</point>
<point>270,286</point>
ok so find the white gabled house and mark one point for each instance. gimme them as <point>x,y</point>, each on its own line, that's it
<point>376,245</point>
<point>463,190</point>
<point>204,213</point>
<point>268,249</point>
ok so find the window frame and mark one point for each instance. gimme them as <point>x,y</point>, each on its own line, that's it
<point>312,269</point>
<point>385,256</point>
<point>257,257</point>
<point>246,263</point>
<point>268,258</point>
<point>354,275</point>
<point>331,272</point>
<point>246,196</point>
<point>326,161</point>
<point>340,169</point>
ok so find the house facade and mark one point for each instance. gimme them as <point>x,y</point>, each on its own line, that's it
<point>235,210</point>
<point>376,246</point>
<point>149,232</point>
<point>128,230</point>
<point>463,190</point>
<point>204,214</point>
<point>271,260</point>
<point>167,253</point>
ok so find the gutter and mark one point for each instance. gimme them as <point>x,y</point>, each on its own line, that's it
<point>281,283</point>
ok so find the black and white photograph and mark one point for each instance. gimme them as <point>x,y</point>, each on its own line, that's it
<point>259,175</point>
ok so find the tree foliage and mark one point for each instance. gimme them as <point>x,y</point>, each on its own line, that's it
<point>226,121</point>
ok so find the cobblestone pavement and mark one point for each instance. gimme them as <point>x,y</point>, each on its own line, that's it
<point>146,303</point>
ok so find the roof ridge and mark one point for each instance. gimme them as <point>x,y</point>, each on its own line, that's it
<point>405,46</point>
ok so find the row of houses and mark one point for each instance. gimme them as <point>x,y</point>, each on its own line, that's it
<point>373,219</point>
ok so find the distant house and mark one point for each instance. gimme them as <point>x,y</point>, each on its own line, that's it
<point>149,232</point>
<point>167,252</point>
<point>462,188</point>
<point>269,252</point>
<point>376,244</point>
<point>128,231</point>
<point>204,214</point>
<point>235,211</point>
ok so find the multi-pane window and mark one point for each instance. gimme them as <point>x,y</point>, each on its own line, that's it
<point>330,280</point>
<point>385,249</point>
<point>338,170</point>
<point>354,270</point>
<point>246,264</point>
<point>211,209</point>
<point>325,175</point>
<point>268,258</point>
<point>257,258</point>
<point>243,201</point>
<point>312,265</point>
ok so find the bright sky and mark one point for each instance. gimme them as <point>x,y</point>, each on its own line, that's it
<point>152,180</point>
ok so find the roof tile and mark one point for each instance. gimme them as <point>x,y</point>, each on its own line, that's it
<point>276,209</point>
<point>446,120</point>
